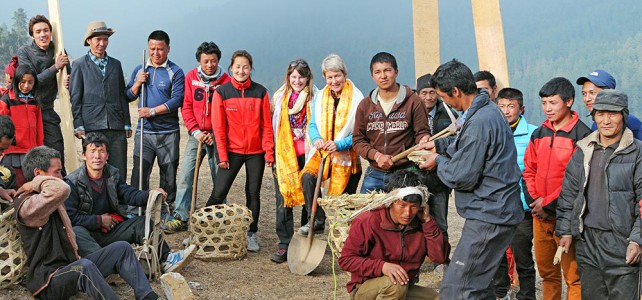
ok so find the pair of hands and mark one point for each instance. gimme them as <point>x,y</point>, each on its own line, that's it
<point>205,138</point>
<point>329,146</point>
<point>430,160</point>
<point>81,134</point>
<point>633,251</point>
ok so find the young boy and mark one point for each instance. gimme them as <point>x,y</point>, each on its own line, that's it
<point>547,154</point>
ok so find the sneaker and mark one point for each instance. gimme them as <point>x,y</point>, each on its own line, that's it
<point>280,256</point>
<point>177,260</point>
<point>318,228</point>
<point>253,242</point>
<point>175,226</point>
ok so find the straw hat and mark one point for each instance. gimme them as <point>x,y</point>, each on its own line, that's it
<point>96,28</point>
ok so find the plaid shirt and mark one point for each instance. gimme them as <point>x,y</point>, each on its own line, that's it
<point>101,62</point>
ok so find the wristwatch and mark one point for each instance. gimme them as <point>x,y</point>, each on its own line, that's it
<point>152,112</point>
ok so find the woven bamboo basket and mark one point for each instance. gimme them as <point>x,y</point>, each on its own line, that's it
<point>12,258</point>
<point>219,231</point>
<point>337,208</point>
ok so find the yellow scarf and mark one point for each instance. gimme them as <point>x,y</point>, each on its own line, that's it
<point>343,163</point>
<point>287,168</point>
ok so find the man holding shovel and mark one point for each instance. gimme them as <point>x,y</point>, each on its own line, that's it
<point>480,164</point>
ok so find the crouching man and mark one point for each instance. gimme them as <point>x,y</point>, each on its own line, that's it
<point>598,207</point>
<point>383,267</point>
<point>56,271</point>
<point>97,206</point>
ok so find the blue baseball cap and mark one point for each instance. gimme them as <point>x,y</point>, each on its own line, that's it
<point>600,78</point>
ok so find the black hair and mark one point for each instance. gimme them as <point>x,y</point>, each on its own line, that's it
<point>38,158</point>
<point>94,138</point>
<point>485,75</point>
<point>7,129</point>
<point>208,48</point>
<point>454,74</point>
<point>159,35</point>
<point>383,57</point>
<point>21,71</point>
<point>558,86</point>
<point>38,19</point>
<point>511,94</point>
<point>405,178</point>
<point>240,53</point>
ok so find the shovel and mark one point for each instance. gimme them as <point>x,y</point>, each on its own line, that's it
<point>305,253</point>
<point>197,168</point>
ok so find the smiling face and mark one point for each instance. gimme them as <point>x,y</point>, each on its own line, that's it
<point>41,35</point>
<point>384,75</point>
<point>402,212</point>
<point>158,51</point>
<point>610,124</point>
<point>208,63</point>
<point>589,91</point>
<point>98,44</point>
<point>429,97</point>
<point>95,157</point>
<point>335,80</point>
<point>297,82</point>
<point>241,69</point>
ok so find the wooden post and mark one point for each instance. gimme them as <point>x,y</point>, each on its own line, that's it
<point>425,23</point>
<point>489,34</point>
<point>63,105</point>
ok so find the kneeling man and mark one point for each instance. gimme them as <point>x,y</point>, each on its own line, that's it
<point>56,271</point>
<point>598,206</point>
<point>387,245</point>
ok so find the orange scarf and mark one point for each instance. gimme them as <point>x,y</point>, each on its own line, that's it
<point>342,163</point>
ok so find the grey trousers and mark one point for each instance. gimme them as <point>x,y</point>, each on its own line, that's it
<point>475,261</point>
<point>164,149</point>
<point>88,274</point>
<point>131,231</point>
<point>53,134</point>
<point>601,260</point>
<point>439,210</point>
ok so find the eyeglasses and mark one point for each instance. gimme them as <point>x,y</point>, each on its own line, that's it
<point>301,63</point>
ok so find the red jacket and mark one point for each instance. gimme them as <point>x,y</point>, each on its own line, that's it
<point>241,120</point>
<point>27,118</point>
<point>374,240</point>
<point>545,160</point>
<point>197,101</point>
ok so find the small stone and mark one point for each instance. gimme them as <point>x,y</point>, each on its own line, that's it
<point>195,285</point>
<point>175,287</point>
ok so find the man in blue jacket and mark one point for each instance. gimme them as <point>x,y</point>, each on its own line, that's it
<point>480,164</point>
<point>158,111</point>
<point>511,102</point>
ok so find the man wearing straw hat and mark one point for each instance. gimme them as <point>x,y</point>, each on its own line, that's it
<point>98,102</point>
<point>56,271</point>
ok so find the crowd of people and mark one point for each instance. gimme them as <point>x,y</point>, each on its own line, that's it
<point>525,191</point>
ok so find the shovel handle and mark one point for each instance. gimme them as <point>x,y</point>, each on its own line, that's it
<point>317,190</point>
<point>197,167</point>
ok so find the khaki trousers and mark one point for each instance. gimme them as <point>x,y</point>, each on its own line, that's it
<point>545,243</point>
<point>381,288</point>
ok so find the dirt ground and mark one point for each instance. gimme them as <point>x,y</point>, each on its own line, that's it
<point>255,276</point>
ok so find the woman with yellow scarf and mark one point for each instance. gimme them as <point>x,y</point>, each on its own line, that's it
<point>330,131</point>
<point>290,121</point>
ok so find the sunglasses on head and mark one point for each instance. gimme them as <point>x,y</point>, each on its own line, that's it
<point>301,63</point>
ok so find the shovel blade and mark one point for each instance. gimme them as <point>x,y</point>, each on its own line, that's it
<point>305,256</point>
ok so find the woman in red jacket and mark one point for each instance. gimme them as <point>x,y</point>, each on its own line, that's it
<point>243,131</point>
<point>23,109</point>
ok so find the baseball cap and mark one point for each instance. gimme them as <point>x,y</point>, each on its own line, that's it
<point>600,78</point>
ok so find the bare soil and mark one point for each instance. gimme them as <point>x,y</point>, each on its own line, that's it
<point>255,276</point>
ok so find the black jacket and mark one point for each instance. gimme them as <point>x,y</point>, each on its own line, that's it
<point>480,164</point>
<point>42,61</point>
<point>624,181</point>
<point>98,103</point>
<point>80,202</point>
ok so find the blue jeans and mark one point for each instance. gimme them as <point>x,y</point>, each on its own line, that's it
<point>186,176</point>
<point>374,180</point>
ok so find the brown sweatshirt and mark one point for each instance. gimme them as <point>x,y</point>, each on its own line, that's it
<point>401,129</point>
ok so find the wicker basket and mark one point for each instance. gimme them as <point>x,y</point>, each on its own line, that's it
<point>337,208</point>
<point>12,258</point>
<point>219,231</point>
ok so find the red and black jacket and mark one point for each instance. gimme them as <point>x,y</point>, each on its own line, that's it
<point>197,101</point>
<point>27,118</point>
<point>241,120</point>
<point>547,154</point>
